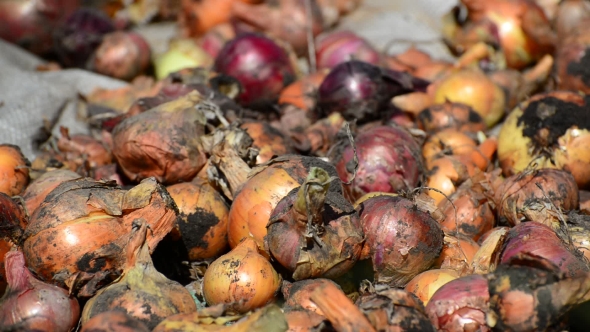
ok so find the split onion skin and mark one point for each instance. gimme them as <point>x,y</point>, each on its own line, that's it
<point>14,170</point>
<point>243,279</point>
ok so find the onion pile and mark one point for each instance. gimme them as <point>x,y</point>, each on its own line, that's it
<point>273,170</point>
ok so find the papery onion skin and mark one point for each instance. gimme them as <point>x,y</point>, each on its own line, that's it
<point>389,161</point>
<point>259,64</point>
<point>202,221</point>
<point>460,305</point>
<point>553,129</point>
<point>14,170</point>
<point>457,253</point>
<point>36,192</point>
<point>302,320</point>
<point>83,224</point>
<point>243,279</point>
<point>540,240</point>
<point>32,305</point>
<point>268,140</point>
<point>113,321</point>
<point>298,294</point>
<point>524,196</point>
<point>401,240</point>
<point>266,186</point>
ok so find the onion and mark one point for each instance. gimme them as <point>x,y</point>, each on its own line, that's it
<point>111,321</point>
<point>298,294</point>
<point>425,284</point>
<point>163,142</point>
<point>361,91</point>
<point>301,320</point>
<point>242,279</point>
<point>31,305</point>
<point>29,23</point>
<point>444,175</point>
<point>5,247</point>
<point>313,232</point>
<point>213,40</point>
<point>571,60</point>
<point>550,129</point>
<point>391,309</point>
<point>202,222</point>
<point>82,150</point>
<point>76,235</point>
<point>529,294</point>
<point>457,253</point>
<point>474,89</point>
<point>336,47</point>
<point>537,196</point>
<point>388,161</point>
<point>269,141</point>
<point>13,219</point>
<point>262,67</point>
<point>141,292</point>
<point>181,53</point>
<point>286,20</point>
<point>450,115</point>
<point>36,192</point>
<point>460,305</point>
<point>77,38</point>
<point>537,239</point>
<point>196,18</point>
<point>401,240</point>
<point>123,55</point>
<point>303,93</point>
<point>520,27</point>
<point>14,170</point>
<point>322,135</point>
<point>571,15</point>
<point>472,213</point>
<point>266,186</point>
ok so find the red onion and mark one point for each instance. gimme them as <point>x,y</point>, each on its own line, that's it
<point>259,64</point>
<point>313,232</point>
<point>359,90</point>
<point>460,305</point>
<point>401,240</point>
<point>29,23</point>
<point>537,239</point>
<point>80,35</point>
<point>32,305</point>
<point>336,47</point>
<point>389,161</point>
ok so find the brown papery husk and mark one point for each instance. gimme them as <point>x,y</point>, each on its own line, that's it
<point>301,320</point>
<point>269,141</point>
<point>231,156</point>
<point>579,231</point>
<point>37,190</point>
<point>83,150</point>
<point>142,292</point>
<point>487,257</point>
<point>163,142</point>
<point>111,321</point>
<point>202,221</point>
<point>336,239</point>
<point>537,195</point>
<point>298,294</point>
<point>390,309</point>
<point>531,294</point>
<point>76,236</point>
<point>457,253</point>
<point>13,219</point>
<point>267,319</point>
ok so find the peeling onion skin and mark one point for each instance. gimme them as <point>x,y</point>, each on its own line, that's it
<point>519,197</point>
<point>560,139</point>
<point>401,240</point>
<point>460,305</point>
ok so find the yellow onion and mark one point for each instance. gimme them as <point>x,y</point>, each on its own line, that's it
<point>14,170</point>
<point>243,279</point>
<point>550,130</point>
<point>473,88</point>
<point>425,284</point>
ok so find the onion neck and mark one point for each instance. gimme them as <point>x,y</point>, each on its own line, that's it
<point>312,194</point>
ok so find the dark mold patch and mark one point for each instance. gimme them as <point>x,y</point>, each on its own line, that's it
<point>581,68</point>
<point>195,227</point>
